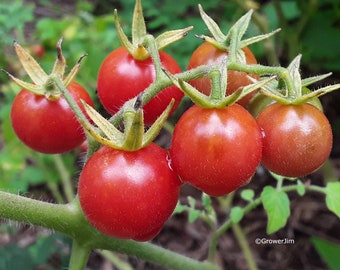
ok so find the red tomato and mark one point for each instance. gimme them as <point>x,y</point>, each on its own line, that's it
<point>48,126</point>
<point>38,50</point>
<point>129,194</point>
<point>207,54</point>
<point>216,150</point>
<point>121,77</point>
<point>297,139</point>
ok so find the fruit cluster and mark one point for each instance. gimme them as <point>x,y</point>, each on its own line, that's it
<point>129,186</point>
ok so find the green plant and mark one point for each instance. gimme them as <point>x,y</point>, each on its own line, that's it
<point>280,84</point>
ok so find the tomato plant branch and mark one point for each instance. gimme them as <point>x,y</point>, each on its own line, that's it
<point>79,256</point>
<point>242,241</point>
<point>69,219</point>
<point>64,176</point>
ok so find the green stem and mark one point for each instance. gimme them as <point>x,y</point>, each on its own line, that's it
<point>242,241</point>
<point>64,176</point>
<point>79,256</point>
<point>69,219</point>
<point>115,260</point>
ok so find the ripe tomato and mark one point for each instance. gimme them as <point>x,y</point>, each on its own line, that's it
<point>128,194</point>
<point>216,150</point>
<point>48,126</point>
<point>207,54</point>
<point>121,77</point>
<point>297,139</point>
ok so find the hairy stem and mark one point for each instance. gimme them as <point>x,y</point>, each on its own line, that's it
<point>69,219</point>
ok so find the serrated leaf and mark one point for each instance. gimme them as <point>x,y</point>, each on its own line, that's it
<point>276,203</point>
<point>333,197</point>
<point>236,214</point>
<point>247,194</point>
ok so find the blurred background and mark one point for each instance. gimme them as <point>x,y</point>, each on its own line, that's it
<point>309,27</point>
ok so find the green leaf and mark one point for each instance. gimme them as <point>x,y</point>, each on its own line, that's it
<point>276,203</point>
<point>247,194</point>
<point>333,197</point>
<point>193,215</point>
<point>179,208</point>
<point>236,214</point>
<point>328,251</point>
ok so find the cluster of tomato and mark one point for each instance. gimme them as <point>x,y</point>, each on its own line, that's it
<point>131,194</point>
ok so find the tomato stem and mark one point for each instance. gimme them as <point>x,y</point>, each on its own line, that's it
<point>79,256</point>
<point>69,220</point>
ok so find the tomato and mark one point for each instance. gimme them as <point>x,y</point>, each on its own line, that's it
<point>207,54</point>
<point>128,194</point>
<point>48,126</point>
<point>38,50</point>
<point>216,150</point>
<point>297,139</point>
<point>121,77</point>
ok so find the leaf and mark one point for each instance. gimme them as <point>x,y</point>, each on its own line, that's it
<point>276,203</point>
<point>247,194</point>
<point>236,214</point>
<point>328,251</point>
<point>333,197</point>
<point>193,215</point>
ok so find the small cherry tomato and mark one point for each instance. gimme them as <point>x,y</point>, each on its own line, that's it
<point>128,194</point>
<point>121,77</point>
<point>297,139</point>
<point>207,54</point>
<point>48,126</point>
<point>216,150</point>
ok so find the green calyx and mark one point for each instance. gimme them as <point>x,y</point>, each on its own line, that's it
<point>136,48</point>
<point>217,97</point>
<point>293,91</point>
<point>232,41</point>
<point>42,82</point>
<point>134,136</point>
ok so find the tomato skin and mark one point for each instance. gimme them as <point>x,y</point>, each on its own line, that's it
<point>46,126</point>
<point>121,77</point>
<point>216,150</point>
<point>129,194</point>
<point>297,139</point>
<point>207,54</point>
